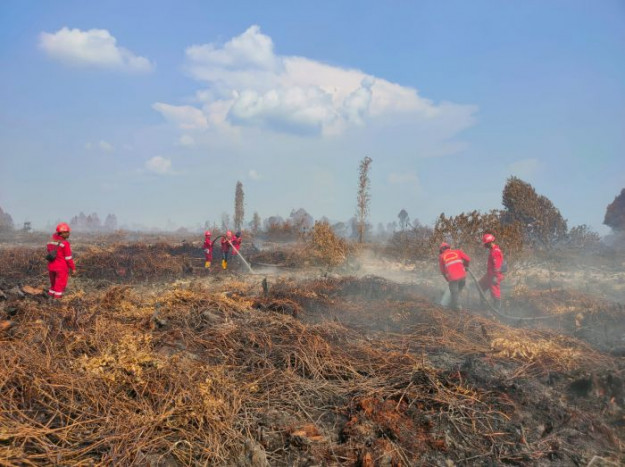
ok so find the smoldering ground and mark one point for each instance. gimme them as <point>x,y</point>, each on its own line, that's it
<point>329,365</point>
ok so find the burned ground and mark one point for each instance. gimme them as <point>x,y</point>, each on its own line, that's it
<point>166,364</point>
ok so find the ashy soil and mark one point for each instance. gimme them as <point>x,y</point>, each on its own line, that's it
<point>151,360</point>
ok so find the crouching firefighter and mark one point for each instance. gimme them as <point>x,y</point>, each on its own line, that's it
<point>60,261</point>
<point>453,264</point>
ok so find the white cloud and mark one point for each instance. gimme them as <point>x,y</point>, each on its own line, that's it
<point>254,175</point>
<point>185,116</point>
<point>252,50</point>
<point>524,168</point>
<point>159,165</point>
<point>102,145</point>
<point>95,47</point>
<point>249,85</point>
<point>292,110</point>
<point>356,104</point>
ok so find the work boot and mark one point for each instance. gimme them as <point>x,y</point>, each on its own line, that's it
<point>224,263</point>
<point>207,264</point>
<point>497,303</point>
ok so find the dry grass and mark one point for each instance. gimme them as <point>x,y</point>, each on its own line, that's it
<point>217,373</point>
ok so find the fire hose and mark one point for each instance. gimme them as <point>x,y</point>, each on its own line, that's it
<point>238,253</point>
<point>496,311</point>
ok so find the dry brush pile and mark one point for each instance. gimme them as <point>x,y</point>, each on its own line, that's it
<point>327,371</point>
<point>320,247</point>
<point>190,376</point>
<point>119,262</point>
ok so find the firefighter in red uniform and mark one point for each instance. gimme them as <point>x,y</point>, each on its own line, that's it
<point>208,249</point>
<point>494,275</point>
<point>236,243</point>
<point>60,261</point>
<point>452,264</point>
<point>226,245</point>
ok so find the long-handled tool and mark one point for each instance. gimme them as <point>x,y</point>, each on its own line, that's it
<point>497,312</point>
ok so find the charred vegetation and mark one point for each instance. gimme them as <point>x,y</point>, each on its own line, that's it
<point>166,364</point>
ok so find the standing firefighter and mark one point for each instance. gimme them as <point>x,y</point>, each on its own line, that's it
<point>494,270</point>
<point>226,246</point>
<point>208,249</point>
<point>236,243</point>
<point>60,261</point>
<point>452,263</point>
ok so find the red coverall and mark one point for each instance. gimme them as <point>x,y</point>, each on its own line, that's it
<point>493,277</point>
<point>208,249</point>
<point>225,251</point>
<point>58,269</point>
<point>236,245</point>
<point>451,264</point>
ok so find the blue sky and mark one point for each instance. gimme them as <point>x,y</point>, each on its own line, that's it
<point>153,110</point>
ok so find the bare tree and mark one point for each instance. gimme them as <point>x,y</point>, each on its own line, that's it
<point>110,223</point>
<point>273,222</point>
<point>6,221</point>
<point>238,206</point>
<point>362,204</point>
<point>301,220</point>
<point>583,237</point>
<point>404,219</point>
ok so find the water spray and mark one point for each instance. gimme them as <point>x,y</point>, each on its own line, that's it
<point>239,254</point>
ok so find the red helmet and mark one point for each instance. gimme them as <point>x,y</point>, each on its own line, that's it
<point>443,246</point>
<point>228,234</point>
<point>207,233</point>
<point>487,238</point>
<point>63,227</point>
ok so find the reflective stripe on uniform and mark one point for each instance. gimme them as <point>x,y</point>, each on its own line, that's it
<point>68,258</point>
<point>453,262</point>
